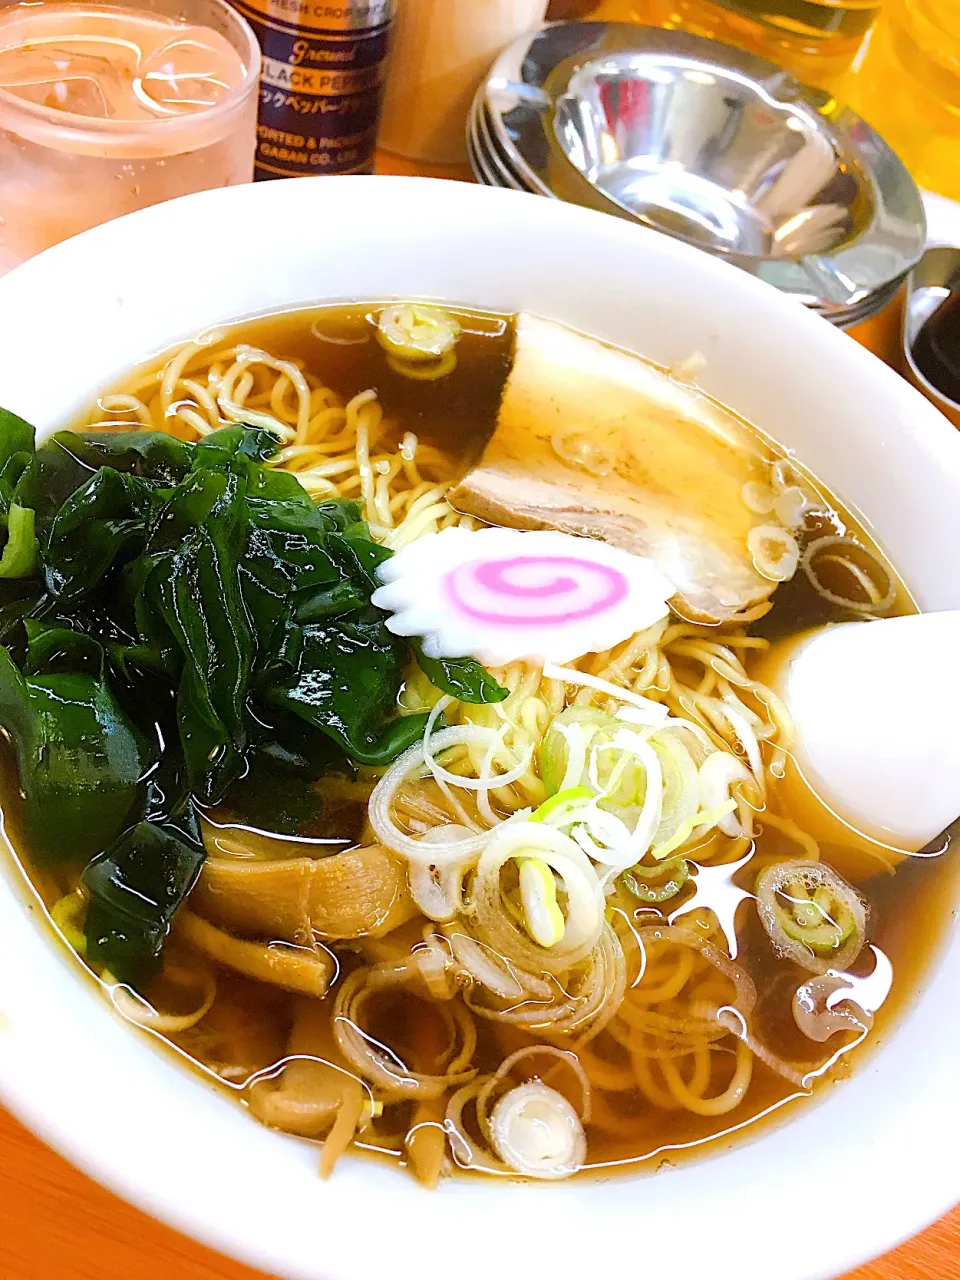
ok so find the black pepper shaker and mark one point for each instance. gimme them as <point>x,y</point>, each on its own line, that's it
<point>321,86</point>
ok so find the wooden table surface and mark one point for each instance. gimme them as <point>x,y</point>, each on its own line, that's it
<point>55,1224</point>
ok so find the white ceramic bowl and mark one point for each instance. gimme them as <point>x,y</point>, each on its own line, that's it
<point>871,1162</point>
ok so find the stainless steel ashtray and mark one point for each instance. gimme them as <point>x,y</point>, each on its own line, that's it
<point>709,144</point>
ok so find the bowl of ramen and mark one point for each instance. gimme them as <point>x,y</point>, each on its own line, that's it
<point>411,854</point>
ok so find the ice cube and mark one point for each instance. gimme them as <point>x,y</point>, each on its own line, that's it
<point>62,79</point>
<point>184,74</point>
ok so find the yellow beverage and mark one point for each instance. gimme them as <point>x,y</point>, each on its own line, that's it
<point>570,10</point>
<point>815,39</point>
<point>646,11</point>
<point>908,87</point>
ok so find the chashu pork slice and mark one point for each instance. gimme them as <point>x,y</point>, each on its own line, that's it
<point>596,441</point>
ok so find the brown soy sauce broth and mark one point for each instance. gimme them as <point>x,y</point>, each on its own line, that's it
<point>247,1029</point>
<point>797,607</point>
<point>455,414</point>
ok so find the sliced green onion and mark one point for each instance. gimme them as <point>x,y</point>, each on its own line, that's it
<point>19,557</point>
<point>775,552</point>
<point>811,915</point>
<point>542,917</point>
<point>658,884</point>
<point>624,790</point>
<point>819,922</point>
<point>416,334</point>
<point>557,806</point>
<point>618,767</point>
<point>583,895</point>
<point>576,738</point>
<point>719,774</point>
<point>627,845</point>
<point>565,745</point>
<point>419,372</point>
<point>536,1132</point>
<point>681,788</point>
<point>706,818</point>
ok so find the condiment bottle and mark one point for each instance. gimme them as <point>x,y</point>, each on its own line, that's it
<point>321,85</point>
<point>907,85</point>
<point>442,50</point>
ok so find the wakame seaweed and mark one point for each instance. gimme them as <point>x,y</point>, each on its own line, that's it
<point>180,624</point>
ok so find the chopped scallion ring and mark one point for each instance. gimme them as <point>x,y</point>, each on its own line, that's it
<point>417,334</point>
<point>812,916</point>
<point>542,917</point>
<point>660,883</point>
<point>536,1132</point>
<point>562,805</point>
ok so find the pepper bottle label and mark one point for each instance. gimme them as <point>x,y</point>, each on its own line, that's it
<point>321,87</point>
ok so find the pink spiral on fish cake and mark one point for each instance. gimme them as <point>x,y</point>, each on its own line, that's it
<point>534,590</point>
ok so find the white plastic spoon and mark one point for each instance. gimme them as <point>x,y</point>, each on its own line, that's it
<point>877,712</point>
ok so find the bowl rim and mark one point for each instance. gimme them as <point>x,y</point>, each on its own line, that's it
<point>39,1091</point>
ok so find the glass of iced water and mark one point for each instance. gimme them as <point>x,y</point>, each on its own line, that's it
<point>107,108</point>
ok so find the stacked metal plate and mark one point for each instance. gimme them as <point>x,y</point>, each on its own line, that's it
<point>708,144</point>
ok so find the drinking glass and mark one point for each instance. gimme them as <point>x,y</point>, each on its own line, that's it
<point>106,108</point>
<point>907,84</point>
<point>815,39</point>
